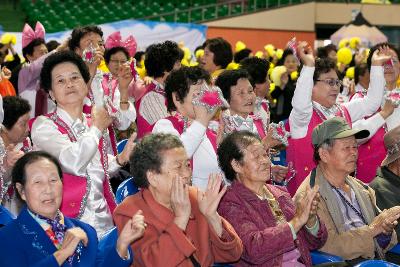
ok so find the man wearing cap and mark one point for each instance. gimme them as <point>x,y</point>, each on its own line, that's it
<point>357,230</point>
<point>387,181</point>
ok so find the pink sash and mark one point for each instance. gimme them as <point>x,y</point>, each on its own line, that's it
<point>76,188</point>
<point>258,122</point>
<point>300,151</point>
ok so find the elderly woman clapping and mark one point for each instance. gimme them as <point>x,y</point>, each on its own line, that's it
<point>184,228</point>
<point>43,236</point>
<point>273,230</point>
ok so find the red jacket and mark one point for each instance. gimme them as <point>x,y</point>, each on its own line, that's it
<point>165,244</point>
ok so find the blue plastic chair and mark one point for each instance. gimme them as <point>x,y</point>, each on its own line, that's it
<point>280,158</point>
<point>5,216</point>
<point>126,188</point>
<point>395,249</point>
<point>376,263</point>
<point>319,257</point>
<point>121,144</point>
<point>108,240</point>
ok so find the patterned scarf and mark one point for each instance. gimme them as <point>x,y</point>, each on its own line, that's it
<point>57,233</point>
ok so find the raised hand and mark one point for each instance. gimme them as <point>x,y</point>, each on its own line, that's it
<point>12,156</point>
<point>209,200</point>
<point>64,45</point>
<point>98,57</point>
<point>147,80</point>
<point>100,118</point>
<point>306,54</point>
<point>387,109</point>
<point>124,77</point>
<point>201,113</point>
<point>133,230</point>
<point>180,202</point>
<point>381,56</point>
<point>124,156</point>
<point>5,73</point>
<point>269,142</point>
<point>279,173</point>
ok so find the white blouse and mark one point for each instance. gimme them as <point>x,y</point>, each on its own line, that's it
<point>81,158</point>
<point>198,146</point>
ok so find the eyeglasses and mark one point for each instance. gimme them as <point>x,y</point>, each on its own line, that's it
<point>332,82</point>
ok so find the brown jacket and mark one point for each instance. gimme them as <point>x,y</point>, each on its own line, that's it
<point>165,244</point>
<point>353,243</point>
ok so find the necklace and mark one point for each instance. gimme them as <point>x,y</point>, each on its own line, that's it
<point>273,204</point>
<point>335,110</point>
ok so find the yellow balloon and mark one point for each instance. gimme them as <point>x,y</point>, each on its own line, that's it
<point>186,53</point>
<point>343,43</point>
<point>270,49</point>
<point>271,87</point>
<point>294,75</point>
<point>239,46</point>
<point>103,67</point>
<point>9,57</point>
<point>279,53</point>
<point>199,53</point>
<point>142,72</point>
<point>354,42</point>
<point>350,73</point>
<point>276,75</point>
<point>8,38</point>
<point>185,62</point>
<point>344,55</point>
<point>259,54</point>
<point>232,66</point>
<point>270,71</point>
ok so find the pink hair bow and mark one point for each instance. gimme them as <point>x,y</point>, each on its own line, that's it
<point>115,40</point>
<point>28,35</point>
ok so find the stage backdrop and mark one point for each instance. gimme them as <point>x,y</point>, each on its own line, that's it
<point>145,33</point>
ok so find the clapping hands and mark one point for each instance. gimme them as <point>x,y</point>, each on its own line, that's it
<point>132,231</point>
<point>306,208</point>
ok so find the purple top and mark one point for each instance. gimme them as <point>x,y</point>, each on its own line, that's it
<point>29,75</point>
<point>265,242</point>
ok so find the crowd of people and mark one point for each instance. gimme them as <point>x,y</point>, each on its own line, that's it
<point>202,137</point>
